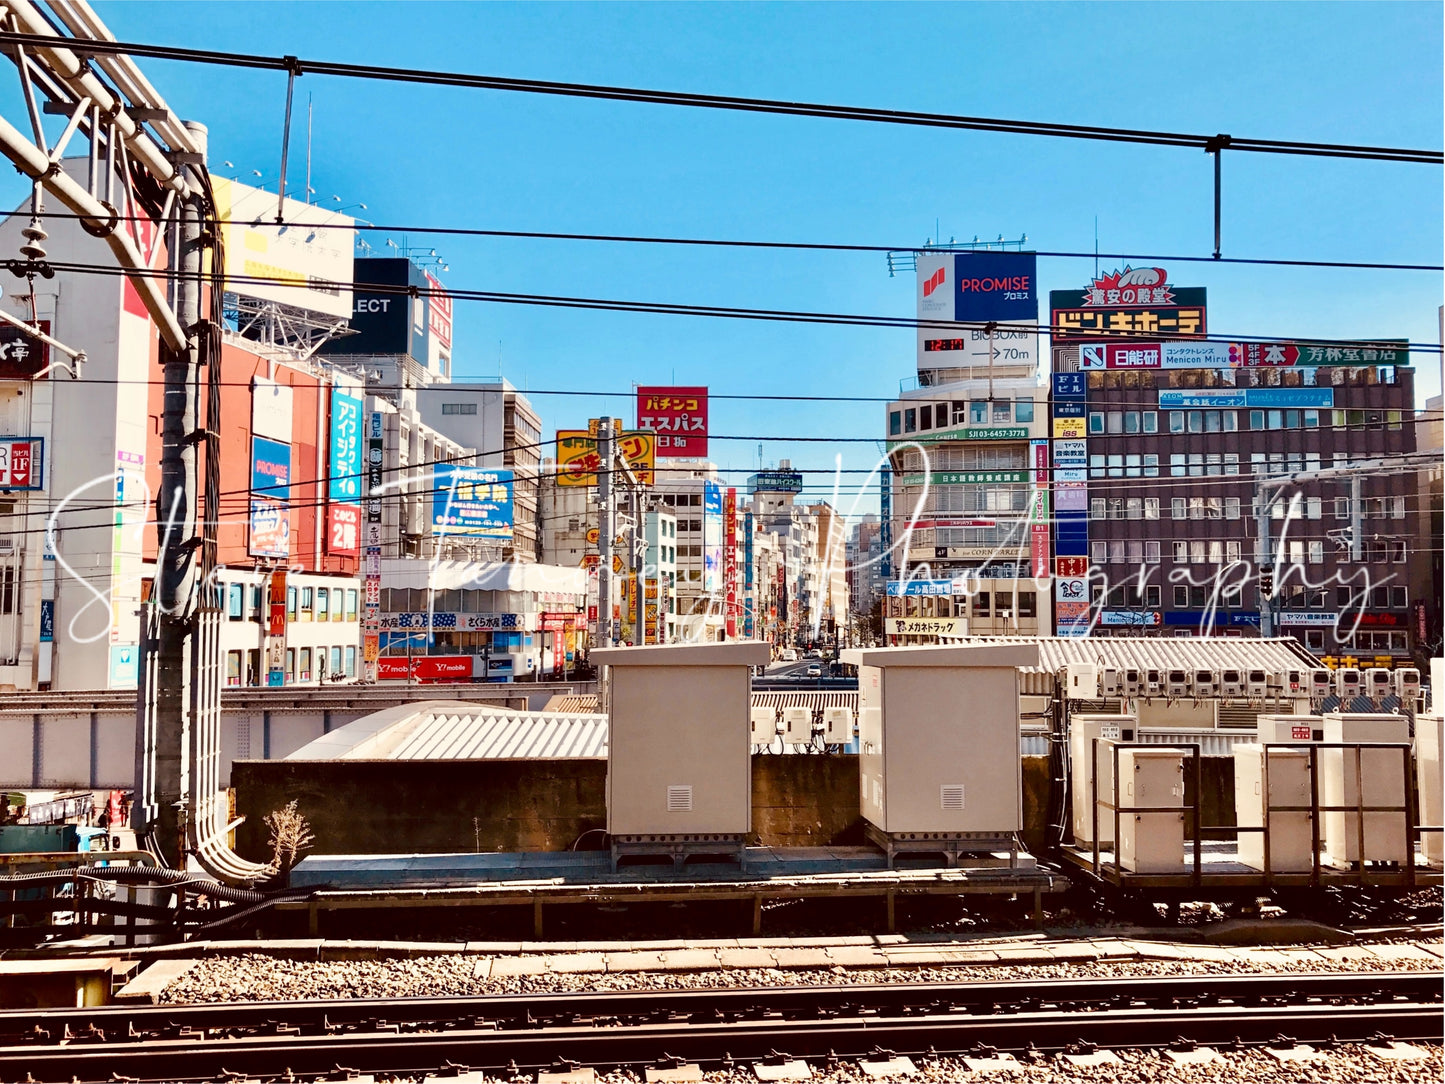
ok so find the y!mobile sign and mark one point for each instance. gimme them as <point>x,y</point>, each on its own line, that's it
<point>678,416</point>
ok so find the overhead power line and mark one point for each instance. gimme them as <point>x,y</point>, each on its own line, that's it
<point>790,316</point>
<point>797,246</point>
<point>296,66</point>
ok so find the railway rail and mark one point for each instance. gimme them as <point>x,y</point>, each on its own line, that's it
<point>712,1027</point>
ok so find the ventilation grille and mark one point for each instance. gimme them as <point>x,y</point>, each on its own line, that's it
<point>679,799</point>
<point>950,796</point>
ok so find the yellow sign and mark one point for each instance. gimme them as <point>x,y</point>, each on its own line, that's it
<point>617,565</point>
<point>1071,428</point>
<point>578,460</point>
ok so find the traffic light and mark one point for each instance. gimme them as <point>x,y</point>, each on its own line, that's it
<point>1266,582</point>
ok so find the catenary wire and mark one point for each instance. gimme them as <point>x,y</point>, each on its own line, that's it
<point>297,66</point>
<point>768,315</point>
<point>800,246</point>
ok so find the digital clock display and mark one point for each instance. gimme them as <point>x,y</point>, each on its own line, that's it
<point>930,345</point>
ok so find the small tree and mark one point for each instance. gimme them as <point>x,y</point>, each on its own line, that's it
<point>290,835</point>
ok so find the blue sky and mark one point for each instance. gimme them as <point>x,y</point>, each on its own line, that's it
<point>1339,72</point>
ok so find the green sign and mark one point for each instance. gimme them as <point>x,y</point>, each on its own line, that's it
<point>967,477</point>
<point>987,432</point>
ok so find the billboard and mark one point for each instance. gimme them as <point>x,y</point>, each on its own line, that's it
<point>21,355</point>
<point>775,481</point>
<point>384,318</point>
<point>730,562</point>
<point>270,529</point>
<point>270,409</point>
<point>1133,303</point>
<point>1318,398</point>
<point>679,417</point>
<point>307,268</point>
<point>473,501</point>
<point>270,468</point>
<point>343,529</point>
<point>712,536</point>
<point>439,328</point>
<point>22,462</point>
<point>578,458</point>
<point>978,286</point>
<point>345,452</point>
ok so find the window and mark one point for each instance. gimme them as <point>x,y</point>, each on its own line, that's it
<point>1096,422</point>
<point>980,604</point>
<point>1317,552</point>
<point>1149,421</point>
<point>1181,597</point>
<point>1151,507</point>
<point>1116,466</point>
<point>323,603</point>
<point>290,664</point>
<point>1393,419</point>
<point>1131,466</point>
<point>1028,602</point>
<point>1176,421</point>
<point>1097,507</point>
<point>925,417</point>
<point>351,601</point>
<point>233,667</point>
<point>895,428</point>
<point>1213,463</point>
<point>1098,553</point>
<point>978,412</point>
<point>235,605</point>
<point>305,674</point>
<point>1256,419</point>
<point>910,420</point>
<point>1399,597</point>
<point>291,604</point>
<point>1231,507</point>
<point>1275,418</point>
<point>1116,552</point>
<point>1196,464</point>
<point>351,662</point>
<point>1314,507</point>
<point>1342,508</point>
<point>1177,468</point>
<point>1197,551</point>
<point>1231,462</point>
<point>1181,553</point>
<point>1195,418</point>
<point>1115,420</point>
<point>1151,595</point>
<point>1151,465</point>
<point>1178,508</point>
<point>1231,551</point>
<point>1231,420</point>
<point>255,595</point>
<point>1196,507</point>
<point>1023,410</point>
<point>1216,552</point>
<point>306,593</point>
<point>1151,553</point>
<point>336,660</point>
<point>1399,551</point>
<point>459,408</point>
<point>1002,412</point>
<point>1312,419</point>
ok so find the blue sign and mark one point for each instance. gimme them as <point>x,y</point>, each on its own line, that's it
<point>1070,386</point>
<point>270,468</point>
<point>47,620</point>
<point>124,664</point>
<point>1221,617</point>
<point>1070,410</point>
<point>1309,398</point>
<point>919,587</point>
<point>995,286</point>
<point>472,501</point>
<point>345,483</point>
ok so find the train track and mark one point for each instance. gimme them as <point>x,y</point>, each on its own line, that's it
<point>710,1027</point>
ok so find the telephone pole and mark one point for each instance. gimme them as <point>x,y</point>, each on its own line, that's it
<point>606,528</point>
<point>176,523</point>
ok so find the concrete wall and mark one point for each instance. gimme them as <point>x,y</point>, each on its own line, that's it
<point>390,807</point>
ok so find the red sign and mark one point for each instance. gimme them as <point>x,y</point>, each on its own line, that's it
<point>1071,567</point>
<point>591,614</point>
<point>1039,548</point>
<point>278,604</point>
<point>1267,354</point>
<point>730,562</point>
<point>1300,733</point>
<point>343,529</point>
<point>425,668</point>
<point>1130,356</point>
<point>678,416</point>
<point>1378,620</point>
<point>1131,286</point>
<point>439,312</point>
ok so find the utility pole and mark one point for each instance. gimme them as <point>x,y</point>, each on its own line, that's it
<point>176,518</point>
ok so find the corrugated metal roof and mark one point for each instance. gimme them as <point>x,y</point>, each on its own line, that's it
<point>1162,652</point>
<point>827,698</point>
<point>573,704</point>
<point>495,735</point>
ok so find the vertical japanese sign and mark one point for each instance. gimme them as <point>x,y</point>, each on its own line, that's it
<point>343,491</point>
<point>1039,513</point>
<point>712,528</point>
<point>371,563</point>
<point>679,417</point>
<point>730,562</point>
<point>885,522</point>
<point>276,630</point>
<point>748,606</point>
